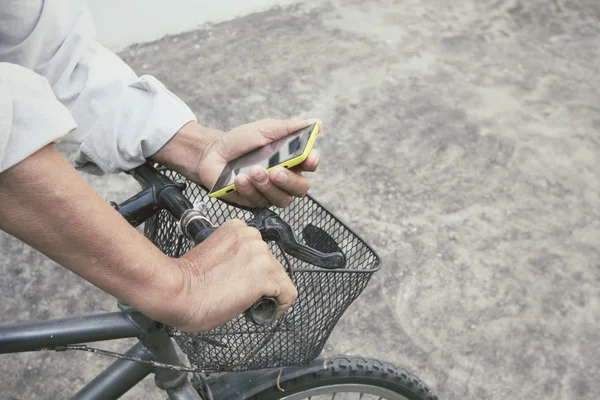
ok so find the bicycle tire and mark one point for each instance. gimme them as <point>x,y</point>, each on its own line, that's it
<point>353,373</point>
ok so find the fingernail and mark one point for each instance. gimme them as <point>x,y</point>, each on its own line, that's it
<point>314,159</point>
<point>261,177</point>
<point>281,177</point>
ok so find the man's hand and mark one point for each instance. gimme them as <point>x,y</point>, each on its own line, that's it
<point>201,154</point>
<point>226,274</point>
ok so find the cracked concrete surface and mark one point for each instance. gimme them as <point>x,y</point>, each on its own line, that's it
<point>461,140</point>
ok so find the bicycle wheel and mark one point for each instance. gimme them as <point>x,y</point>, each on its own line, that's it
<point>349,377</point>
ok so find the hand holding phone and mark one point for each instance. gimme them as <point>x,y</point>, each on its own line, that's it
<point>288,152</point>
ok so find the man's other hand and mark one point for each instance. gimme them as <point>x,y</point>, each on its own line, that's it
<point>201,153</point>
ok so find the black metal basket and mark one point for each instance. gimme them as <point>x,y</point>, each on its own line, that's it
<point>323,295</point>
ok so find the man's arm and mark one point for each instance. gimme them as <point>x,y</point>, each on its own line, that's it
<point>47,204</point>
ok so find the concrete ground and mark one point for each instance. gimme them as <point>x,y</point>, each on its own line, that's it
<point>461,140</point>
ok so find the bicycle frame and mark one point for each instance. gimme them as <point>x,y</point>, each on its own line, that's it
<point>154,342</point>
<point>122,375</point>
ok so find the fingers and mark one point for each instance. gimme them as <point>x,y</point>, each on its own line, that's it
<point>261,181</point>
<point>225,275</point>
<point>277,187</point>
<point>248,137</point>
<point>251,196</point>
<point>274,129</point>
<point>289,181</point>
<point>312,161</point>
<point>273,279</point>
<point>287,296</point>
<point>281,287</point>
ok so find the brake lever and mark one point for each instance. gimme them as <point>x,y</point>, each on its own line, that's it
<point>273,228</point>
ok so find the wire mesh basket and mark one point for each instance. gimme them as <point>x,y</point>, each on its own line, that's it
<point>299,336</point>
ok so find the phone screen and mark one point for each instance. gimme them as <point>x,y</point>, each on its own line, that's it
<point>268,156</point>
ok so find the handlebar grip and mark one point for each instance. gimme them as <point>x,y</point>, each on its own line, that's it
<point>203,234</point>
<point>263,312</point>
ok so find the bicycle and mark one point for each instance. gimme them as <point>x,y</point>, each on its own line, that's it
<point>252,356</point>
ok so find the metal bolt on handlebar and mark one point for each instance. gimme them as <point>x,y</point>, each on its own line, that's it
<point>200,205</point>
<point>198,211</point>
<point>189,216</point>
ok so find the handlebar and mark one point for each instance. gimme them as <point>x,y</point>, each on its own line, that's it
<point>161,193</point>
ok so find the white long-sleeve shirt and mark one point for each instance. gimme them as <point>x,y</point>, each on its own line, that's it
<point>56,80</point>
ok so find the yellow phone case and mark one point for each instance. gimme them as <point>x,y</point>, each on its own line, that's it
<point>286,164</point>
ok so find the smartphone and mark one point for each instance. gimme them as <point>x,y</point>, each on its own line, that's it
<point>287,152</point>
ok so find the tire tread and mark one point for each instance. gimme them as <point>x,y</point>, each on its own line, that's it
<point>347,367</point>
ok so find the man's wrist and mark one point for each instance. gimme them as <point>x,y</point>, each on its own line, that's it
<point>157,293</point>
<point>186,149</point>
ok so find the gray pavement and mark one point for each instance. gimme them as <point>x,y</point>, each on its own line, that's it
<point>461,140</point>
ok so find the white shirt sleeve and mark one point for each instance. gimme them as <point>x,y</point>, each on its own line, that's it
<point>30,115</point>
<point>122,118</point>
